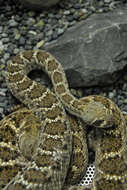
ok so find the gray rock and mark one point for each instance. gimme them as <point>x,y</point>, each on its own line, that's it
<point>95,50</point>
<point>38,4</point>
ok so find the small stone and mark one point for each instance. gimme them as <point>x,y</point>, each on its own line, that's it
<point>124,86</point>
<point>32,32</point>
<point>31,13</point>
<point>4,35</point>
<point>101,3</point>
<point>77,5</point>
<point>1,46</point>
<point>1,110</point>
<point>1,53</point>
<point>50,15</point>
<point>111,95</point>
<point>54,35</point>
<point>40,44</point>
<point>40,23</point>
<point>3,104</point>
<point>2,61</point>
<point>22,41</point>
<point>66,12</point>
<point>84,10</point>
<point>60,31</point>
<point>72,23</point>
<point>13,23</point>
<point>40,36</point>
<point>125,101</point>
<point>2,66</point>
<point>6,56</point>
<point>4,90</point>
<point>49,33</point>
<point>5,40</point>
<point>30,21</point>
<point>125,108</point>
<point>76,15</point>
<point>17,36</point>
<point>58,16</point>
<point>11,49</point>
<point>1,29</point>
<point>16,50</point>
<point>70,18</point>
<point>2,93</point>
<point>107,1</point>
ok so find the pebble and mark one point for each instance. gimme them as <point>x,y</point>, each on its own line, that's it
<point>66,12</point>
<point>1,110</point>
<point>125,101</point>
<point>2,93</point>
<point>30,22</point>
<point>49,33</point>
<point>107,1</point>
<point>40,44</point>
<point>5,40</point>
<point>60,31</point>
<point>17,36</point>
<point>1,46</point>
<point>13,23</point>
<point>3,104</point>
<point>22,41</point>
<point>111,95</point>
<point>1,29</point>
<point>6,56</point>
<point>40,23</point>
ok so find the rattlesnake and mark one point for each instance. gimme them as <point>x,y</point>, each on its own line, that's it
<point>43,152</point>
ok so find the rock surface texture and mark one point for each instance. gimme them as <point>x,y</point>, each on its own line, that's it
<point>94,51</point>
<point>38,4</point>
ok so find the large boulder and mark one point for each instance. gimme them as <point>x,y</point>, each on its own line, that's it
<point>93,52</point>
<point>38,4</point>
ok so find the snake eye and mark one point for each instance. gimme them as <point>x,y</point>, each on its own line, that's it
<point>98,123</point>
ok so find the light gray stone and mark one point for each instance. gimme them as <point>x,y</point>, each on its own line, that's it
<point>1,110</point>
<point>1,46</point>
<point>94,52</point>
<point>38,4</point>
<point>12,23</point>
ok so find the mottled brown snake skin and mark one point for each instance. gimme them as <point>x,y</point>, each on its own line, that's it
<point>44,148</point>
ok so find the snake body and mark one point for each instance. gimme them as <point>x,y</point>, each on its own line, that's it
<point>49,142</point>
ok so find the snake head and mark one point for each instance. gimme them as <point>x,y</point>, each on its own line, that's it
<point>95,113</point>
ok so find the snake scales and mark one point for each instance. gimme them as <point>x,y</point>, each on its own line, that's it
<point>42,147</point>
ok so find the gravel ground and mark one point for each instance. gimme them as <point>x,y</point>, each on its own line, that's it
<point>22,29</point>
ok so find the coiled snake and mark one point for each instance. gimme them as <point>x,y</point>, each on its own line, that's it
<point>43,147</point>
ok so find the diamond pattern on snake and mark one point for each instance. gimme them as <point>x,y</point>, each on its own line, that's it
<point>44,147</point>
